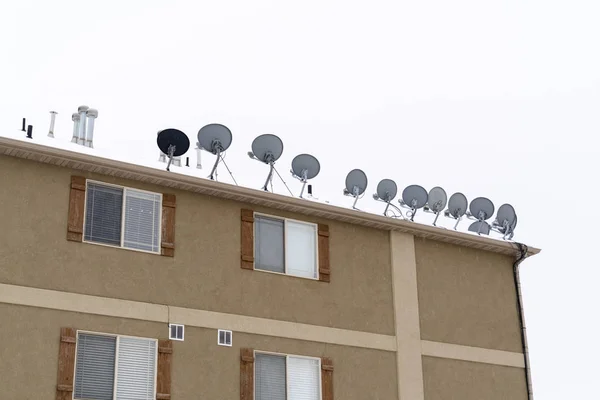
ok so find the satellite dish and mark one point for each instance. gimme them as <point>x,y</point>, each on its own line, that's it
<point>216,139</point>
<point>436,202</point>
<point>386,192</point>
<point>267,149</point>
<point>481,208</point>
<point>506,221</point>
<point>173,143</point>
<point>413,197</point>
<point>356,184</point>
<point>457,207</point>
<point>480,227</point>
<point>305,167</point>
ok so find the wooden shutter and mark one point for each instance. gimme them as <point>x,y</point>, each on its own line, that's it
<point>324,271</point>
<point>326,378</point>
<point>247,233</point>
<point>163,370</point>
<point>167,242</point>
<point>66,364</point>
<point>247,374</point>
<point>76,209</point>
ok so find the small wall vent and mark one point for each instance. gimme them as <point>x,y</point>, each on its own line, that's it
<point>176,331</point>
<point>224,338</point>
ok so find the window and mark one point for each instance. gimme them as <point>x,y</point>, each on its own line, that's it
<point>176,332</point>
<point>284,377</point>
<point>123,217</point>
<point>111,367</point>
<point>224,337</point>
<point>285,246</point>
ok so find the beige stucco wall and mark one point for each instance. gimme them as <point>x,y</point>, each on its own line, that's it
<point>467,296</point>
<point>446,379</point>
<point>204,274</point>
<point>200,369</point>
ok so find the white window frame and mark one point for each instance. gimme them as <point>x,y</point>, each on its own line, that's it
<point>226,331</point>
<point>182,332</point>
<point>287,383</point>
<point>116,358</point>
<point>285,252</point>
<point>124,188</point>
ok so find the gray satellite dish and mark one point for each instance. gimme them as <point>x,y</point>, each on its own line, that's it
<point>481,208</point>
<point>413,197</point>
<point>356,184</point>
<point>436,202</point>
<point>386,192</point>
<point>457,207</point>
<point>506,221</point>
<point>173,143</point>
<point>305,167</point>
<point>267,149</point>
<point>480,227</point>
<point>214,138</point>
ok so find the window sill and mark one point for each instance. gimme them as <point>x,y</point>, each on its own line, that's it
<point>121,248</point>
<point>288,275</point>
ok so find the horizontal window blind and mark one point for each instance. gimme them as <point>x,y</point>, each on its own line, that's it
<point>268,241</point>
<point>269,373</point>
<point>103,211</point>
<point>95,367</point>
<point>142,220</point>
<point>301,252</point>
<point>136,369</point>
<point>303,378</point>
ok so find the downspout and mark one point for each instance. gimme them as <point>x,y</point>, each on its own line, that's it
<point>522,255</point>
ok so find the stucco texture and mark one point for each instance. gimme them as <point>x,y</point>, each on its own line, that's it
<point>446,379</point>
<point>205,272</point>
<point>467,296</point>
<point>200,368</point>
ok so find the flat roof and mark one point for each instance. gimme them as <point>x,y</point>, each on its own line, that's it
<point>86,162</point>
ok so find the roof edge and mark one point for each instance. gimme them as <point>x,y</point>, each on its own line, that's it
<point>85,162</point>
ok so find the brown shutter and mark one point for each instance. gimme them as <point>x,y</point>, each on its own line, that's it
<point>66,364</point>
<point>167,243</point>
<point>76,209</point>
<point>163,370</point>
<point>247,374</point>
<point>326,378</point>
<point>324,271</point>
<point>247,250</point>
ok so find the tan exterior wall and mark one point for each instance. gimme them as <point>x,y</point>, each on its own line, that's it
<point>200,369</point>
<point>446,379</point>
<point>205,273</point>
<point>467,296</point>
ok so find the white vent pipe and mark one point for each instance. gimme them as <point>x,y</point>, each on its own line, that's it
<point>91,115</point>
<point>52,119</point>
<point>198,156</point>
<point>75,118</point>
<point>82,110</point>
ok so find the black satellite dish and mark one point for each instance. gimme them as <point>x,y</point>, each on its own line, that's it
<point>173,143</point>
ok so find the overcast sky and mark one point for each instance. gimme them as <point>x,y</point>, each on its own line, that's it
<point>490,98</point>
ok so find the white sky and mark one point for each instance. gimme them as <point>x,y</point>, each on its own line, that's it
<point>496,99</point>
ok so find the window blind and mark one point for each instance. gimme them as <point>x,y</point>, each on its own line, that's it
<point>269,376</point>
<point>303,378</point>
<point>104,206</point>
<point>142,220</point>
<point>301,252</point>
<point>95,367</point>
<point>135,369</point>
<point>268,239</point>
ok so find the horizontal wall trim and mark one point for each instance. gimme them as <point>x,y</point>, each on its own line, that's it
<point>475,354</point>
<point>92,163</point>
<point>74,302</point>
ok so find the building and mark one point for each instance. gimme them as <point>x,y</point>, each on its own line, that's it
<point>102,260</point>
